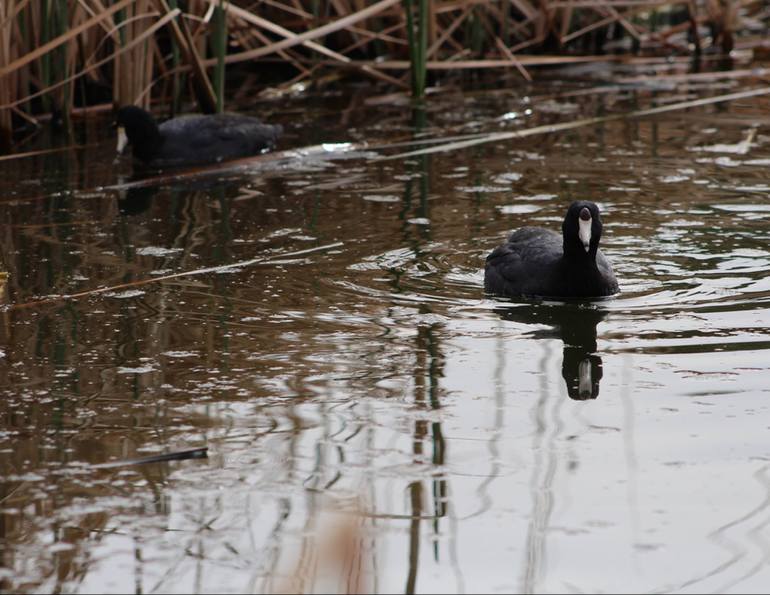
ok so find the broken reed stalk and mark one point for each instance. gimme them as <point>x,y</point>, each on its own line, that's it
<point>134,67</point>
<point>204,92</point>
<point>292,39</point>
<point>69,35</point>
<point>48,46</point>
<point>129,45</point>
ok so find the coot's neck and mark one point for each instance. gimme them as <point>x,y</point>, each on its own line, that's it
<point>581,273</point>
<point>148,145</point>
<point>576,255</point>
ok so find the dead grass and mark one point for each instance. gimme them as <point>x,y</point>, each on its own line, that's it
<point>53,55</point>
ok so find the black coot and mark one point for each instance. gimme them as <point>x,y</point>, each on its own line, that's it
<point>537,262</point>
<point>193,139</point>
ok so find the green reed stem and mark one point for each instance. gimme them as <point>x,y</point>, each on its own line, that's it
<point>45,59</point>
<point>417,36</point>
<point>422,71</point>
<point>478,32</point>
<point>60,26</point>
<point>315,60</point>
<point>176,82</point>
<point>219,42</point>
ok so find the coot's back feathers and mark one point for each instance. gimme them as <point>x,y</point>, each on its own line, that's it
<point>537,262</point>
<point>195,139</point>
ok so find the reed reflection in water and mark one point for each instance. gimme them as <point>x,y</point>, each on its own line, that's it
<point>373,423</point>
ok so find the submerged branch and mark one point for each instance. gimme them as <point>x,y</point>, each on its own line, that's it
<point>142,282</point>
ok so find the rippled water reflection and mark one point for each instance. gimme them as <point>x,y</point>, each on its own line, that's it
<point>375,423</point>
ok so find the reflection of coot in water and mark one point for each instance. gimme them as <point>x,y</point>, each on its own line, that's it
<point>136,200</point>
<point>575,325</point>
<point>582,368</point>
<point>136,194</point>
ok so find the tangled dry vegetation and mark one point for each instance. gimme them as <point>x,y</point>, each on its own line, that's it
<point>63,56</point>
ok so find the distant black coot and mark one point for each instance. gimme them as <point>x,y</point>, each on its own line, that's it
<point>193,139</point>
<point>537,262</point>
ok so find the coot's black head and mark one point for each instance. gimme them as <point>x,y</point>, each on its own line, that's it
<point>582,230</point>
<point>138,127</point>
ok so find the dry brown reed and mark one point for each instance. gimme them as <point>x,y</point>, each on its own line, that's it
<point>58,54</point>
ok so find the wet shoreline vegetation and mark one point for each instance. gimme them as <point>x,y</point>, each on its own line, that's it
<point>61,58</point>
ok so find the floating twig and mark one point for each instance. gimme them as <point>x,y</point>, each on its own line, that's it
<point>42,152</point>
<point>180,455</point>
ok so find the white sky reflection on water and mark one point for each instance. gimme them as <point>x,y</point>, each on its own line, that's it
<point>374,422</point>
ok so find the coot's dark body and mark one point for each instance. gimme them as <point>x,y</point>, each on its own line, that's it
<point>536,262</point>
<point>195,139</point>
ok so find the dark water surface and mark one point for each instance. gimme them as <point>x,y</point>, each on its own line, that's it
<point>374,423</point>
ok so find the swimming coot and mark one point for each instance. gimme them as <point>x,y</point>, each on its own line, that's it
<point>193,139</point>
<point>537,262</point>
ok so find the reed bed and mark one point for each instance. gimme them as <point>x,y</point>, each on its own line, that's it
<point>58,56</point>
